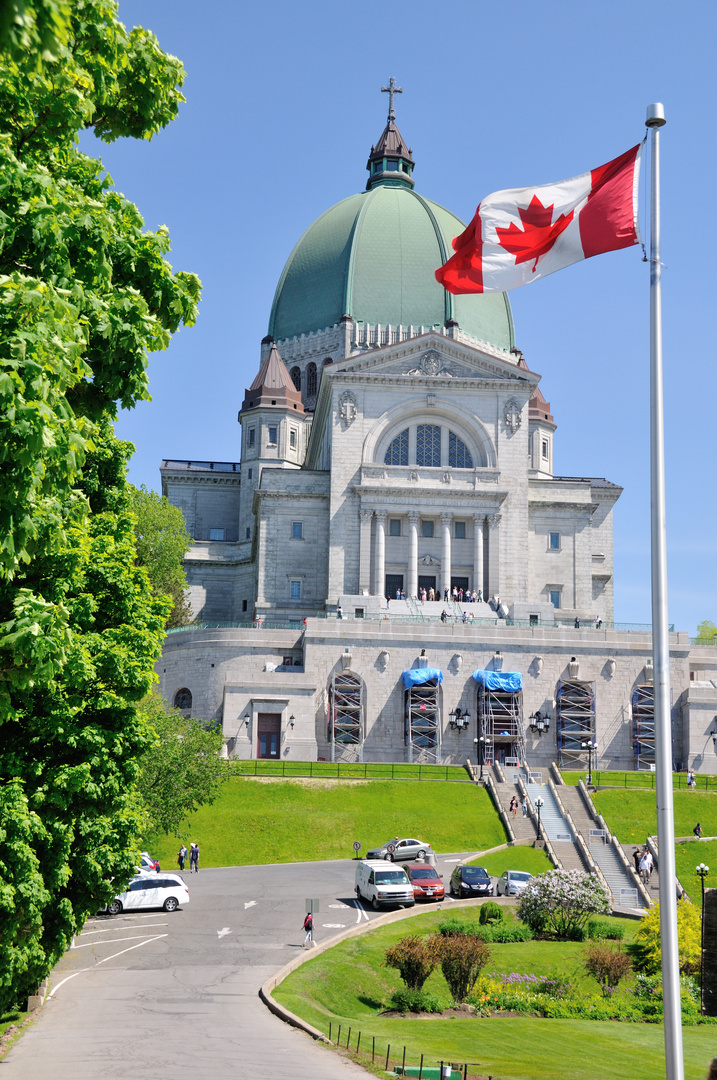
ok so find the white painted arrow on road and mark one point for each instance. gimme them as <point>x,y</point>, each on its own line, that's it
<point>224,932</point>
<point>250,903</point>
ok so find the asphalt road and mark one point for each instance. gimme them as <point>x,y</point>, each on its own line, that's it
<point>176,995</point>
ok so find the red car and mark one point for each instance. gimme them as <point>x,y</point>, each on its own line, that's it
<point>427,884</point>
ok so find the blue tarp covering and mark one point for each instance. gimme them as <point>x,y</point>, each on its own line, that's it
<point>512,681</point>
<point>417,675</point>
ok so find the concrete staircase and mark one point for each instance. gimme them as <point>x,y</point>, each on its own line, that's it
<point>523,827</point>
<point>620,879</point>
<point>557,828</point>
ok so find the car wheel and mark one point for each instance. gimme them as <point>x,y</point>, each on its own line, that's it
<point>374,904</point>
<point>171,903</point>
<point>389,856</point>
<point>115,907</point>
<point>421,854</point>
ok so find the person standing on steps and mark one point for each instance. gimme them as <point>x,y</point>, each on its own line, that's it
<point>514,806</point>
<point>309,928</point>
<point>524,804</point>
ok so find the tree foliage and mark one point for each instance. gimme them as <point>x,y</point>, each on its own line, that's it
<point>162,542</point>
<point>562,901</point>
<point>646,949</point>
<point>707,632</point>
<point>463,957</point>
<point>415,958</point>
<point>181,769</point>
<point>85,294</point>
<point>606,964</point>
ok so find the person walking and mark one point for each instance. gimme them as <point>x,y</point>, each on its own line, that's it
<point>524,805</point>
<point>309,928</point>
<point>193,858</point>
<point>636,856</point>
<point>644,867</point>
<point>691,781</point>
<point>514,806</point>
<point>181,856</point>
<point>698,831</point>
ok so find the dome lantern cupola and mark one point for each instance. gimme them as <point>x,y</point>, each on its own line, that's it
<point>390,161</point>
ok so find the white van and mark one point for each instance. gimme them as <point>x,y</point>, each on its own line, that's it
<point>383,883</point>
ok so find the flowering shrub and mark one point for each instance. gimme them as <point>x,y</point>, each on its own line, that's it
<point>562,901</point>
<point>646,949</point>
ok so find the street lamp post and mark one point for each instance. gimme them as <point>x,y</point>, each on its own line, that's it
<point>702,871</point>
<point>538,806</point>
<point>479,744</point>
<point>590,745</point>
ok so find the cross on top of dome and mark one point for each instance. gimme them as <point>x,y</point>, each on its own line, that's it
<point>391,89</point>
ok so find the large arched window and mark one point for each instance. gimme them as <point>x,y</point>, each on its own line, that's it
<point>428,445</point>
<point>459,456</point>
<point>311,379</point>
<point>397,453</point>
<point>183,699</point>
<point>296,377</point>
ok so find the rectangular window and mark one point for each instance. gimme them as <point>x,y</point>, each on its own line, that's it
<point>554,595</point>
<point>545,449</point>
<point>249,474</point>
<point>272,436</point>
<point>244,605</point>
<point>459,530</point>
<point>216,534</point>
<point>287,661</point>
<point>359,613</point>
<point>248,532</point>
<point>428,445</point>
<point>252,436</point>
<point>394,526</point>
<point>292,438</point>
<point>554,542</point>
<point>295,590</point>
<point>297,530</point>
<point>426,528</point>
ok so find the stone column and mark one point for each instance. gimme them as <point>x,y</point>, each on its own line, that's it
<point>494,555</point>
<point>365,551</point>
<point>412,588</point>
<point>446,554</point>
<point>478,537</point>
<point>379,581</point>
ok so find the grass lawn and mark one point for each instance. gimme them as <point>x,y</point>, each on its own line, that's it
<point>9,1021</point>
<point>533,860</point>
<point>632,815</point>
<point>349,985</point>
<point>635,779</point>
<point>270,821</point>
<point>687,856</point>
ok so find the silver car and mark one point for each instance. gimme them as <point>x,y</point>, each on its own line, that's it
<point>400,850</point>
<point>512,882</point>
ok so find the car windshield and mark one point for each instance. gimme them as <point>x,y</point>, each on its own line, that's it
<point>424,874</point>
<point>391,877</point>
<point>472,873</point>
<point>518,875</point>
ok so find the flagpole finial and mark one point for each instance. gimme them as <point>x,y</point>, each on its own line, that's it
<point>655,116</point>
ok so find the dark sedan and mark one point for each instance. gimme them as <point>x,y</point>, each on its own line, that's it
<point>471,881</point>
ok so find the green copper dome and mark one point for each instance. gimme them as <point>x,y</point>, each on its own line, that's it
<point>373,256</point>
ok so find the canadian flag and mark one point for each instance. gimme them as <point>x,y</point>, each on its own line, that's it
<point>521,235</point>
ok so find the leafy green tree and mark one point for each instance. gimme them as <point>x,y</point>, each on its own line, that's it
<point>562,902</point>
<point>85,293</point>
<point>707,632</point>
<point>414,958</point>
<point>180,769</point>
<point>646,949</point>
<point>463,957</point>
<point>162,542</point>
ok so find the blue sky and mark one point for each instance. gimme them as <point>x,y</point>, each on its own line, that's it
<point>283,104</point>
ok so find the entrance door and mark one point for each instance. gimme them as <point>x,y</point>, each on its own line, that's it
<point>426,583</point>
<point>268,735</point>
<point>459,583</point>
<point>393,583</point>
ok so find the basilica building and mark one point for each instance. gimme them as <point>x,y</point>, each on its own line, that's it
<point>393,571</point>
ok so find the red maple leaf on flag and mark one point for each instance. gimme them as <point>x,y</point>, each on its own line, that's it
<point>538,235</point>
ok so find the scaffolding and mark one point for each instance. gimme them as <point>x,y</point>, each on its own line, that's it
<point>500,722</point>
<point>643,726</point>
<point>574,722</point>
<point>345,727</point>
<point>423,723</point>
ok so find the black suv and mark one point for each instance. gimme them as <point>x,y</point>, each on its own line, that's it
<point>471,881</point>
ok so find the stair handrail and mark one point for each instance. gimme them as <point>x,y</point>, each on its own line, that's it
<point>557,775</point>
<point>490,785</point>
<point>578,838</point>
<point>538,825</point>
<point>499,771</point>
<point>611,839</point>
<point>471,770</point>
<point>652,848</point>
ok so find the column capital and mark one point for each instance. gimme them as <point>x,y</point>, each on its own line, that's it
<point>479,518</point>
<point>365,515</point>
<point>381,515</point>
<point>413,516</point>
<point>493,519</point>
<point>446,518</point>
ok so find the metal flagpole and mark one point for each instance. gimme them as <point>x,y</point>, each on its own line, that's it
<point>660,635</point>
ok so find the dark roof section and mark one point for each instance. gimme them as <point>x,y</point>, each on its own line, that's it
<point>273,386</point>
<point>596,481</point>
<point>539,408</point>
<point>391,147</point>
<point>181,464</point>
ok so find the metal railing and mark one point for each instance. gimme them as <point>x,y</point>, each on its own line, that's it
<point>603,779</point>
<point>349,770</point>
